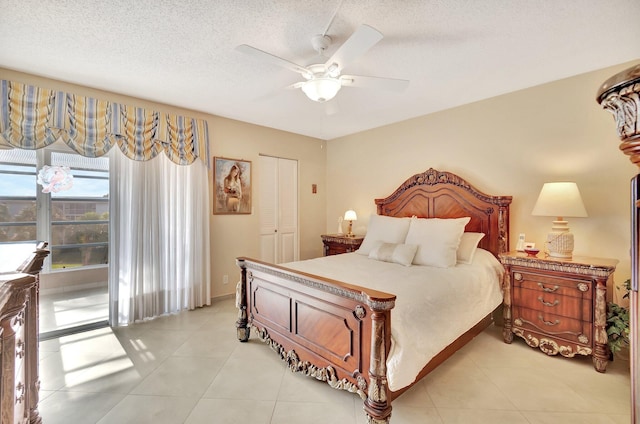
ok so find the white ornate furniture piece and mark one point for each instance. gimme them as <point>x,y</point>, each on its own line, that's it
<point>19,341</point>
<point>558,305</point>
<point>341,333</point>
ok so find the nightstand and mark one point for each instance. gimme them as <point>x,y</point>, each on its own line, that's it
<point>334,244</point>
<point>558,305</point>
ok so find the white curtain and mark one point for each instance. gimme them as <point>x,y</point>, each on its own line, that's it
<point>159,249</point>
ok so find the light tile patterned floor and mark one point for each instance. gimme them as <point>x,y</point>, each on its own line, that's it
<point>190,368</point>
<point>65,309</point>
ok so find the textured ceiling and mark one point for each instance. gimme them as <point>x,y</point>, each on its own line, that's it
<point>182,52</point>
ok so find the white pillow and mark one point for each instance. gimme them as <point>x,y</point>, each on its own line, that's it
<point>386,229</point>
<point>390,252</point>
<point>467,248</point>
<point>437,239</point>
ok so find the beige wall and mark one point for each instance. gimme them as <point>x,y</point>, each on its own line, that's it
<point>237,235</point>
<point>507,145</point>
<point>233,235</point>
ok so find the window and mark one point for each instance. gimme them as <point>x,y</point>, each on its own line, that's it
<point>74,221</point>
<point>17,196</point>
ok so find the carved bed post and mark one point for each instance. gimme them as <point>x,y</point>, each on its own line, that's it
<point>242,324</point>
<point>600,347</point>
<point>507,334</point>
<point>377,406</point>
<point>503,227</point>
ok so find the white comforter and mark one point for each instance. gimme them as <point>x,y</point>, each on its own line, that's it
<point>434,306</point>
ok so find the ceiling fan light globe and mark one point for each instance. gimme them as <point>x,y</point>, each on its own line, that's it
<point>321,89</point>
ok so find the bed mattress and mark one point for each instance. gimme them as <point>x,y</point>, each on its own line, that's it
<point>434,306</point>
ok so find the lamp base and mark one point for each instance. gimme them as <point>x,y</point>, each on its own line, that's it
<point>561,255</point>
<point>350,233</point>
<point>560,240</point>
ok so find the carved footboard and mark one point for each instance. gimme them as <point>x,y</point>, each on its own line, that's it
<point>332,331</point>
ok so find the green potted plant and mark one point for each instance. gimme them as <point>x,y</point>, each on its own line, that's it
<point>618,323</point>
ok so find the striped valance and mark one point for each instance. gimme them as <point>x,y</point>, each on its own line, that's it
<point>32,118</point>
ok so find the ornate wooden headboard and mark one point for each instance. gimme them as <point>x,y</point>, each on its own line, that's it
<point>441,194</point>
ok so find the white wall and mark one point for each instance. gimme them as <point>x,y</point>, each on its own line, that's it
<point>506,145</point>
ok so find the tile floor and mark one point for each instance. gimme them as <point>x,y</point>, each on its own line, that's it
<point>62,309</point>
<point>190,368</point>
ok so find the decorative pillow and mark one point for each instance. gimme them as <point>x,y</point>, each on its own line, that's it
<point>467,248</point>
<point>437,239</point>
<point>386,229</point>
<point>397,253</point>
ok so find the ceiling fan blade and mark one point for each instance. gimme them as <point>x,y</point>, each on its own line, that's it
<point>295,85</point>
<point>268,57</point>
<point>360,41</point>
<point>391,84</point>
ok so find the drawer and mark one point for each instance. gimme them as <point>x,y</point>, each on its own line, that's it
<point>553,325</point>
<point>553,303</point>
<point>332,248</point>
<point>338,248</point>
<point>556,285</point>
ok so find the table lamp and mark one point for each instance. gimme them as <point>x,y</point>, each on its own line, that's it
<point>560,199</point>
<point>350,216</point>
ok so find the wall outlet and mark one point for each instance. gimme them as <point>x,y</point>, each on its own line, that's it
<point>225,279</point>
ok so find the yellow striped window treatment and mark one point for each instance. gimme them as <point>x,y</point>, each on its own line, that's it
<point>33,117</point>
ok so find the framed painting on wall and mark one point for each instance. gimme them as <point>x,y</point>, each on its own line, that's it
<point>231,186</point>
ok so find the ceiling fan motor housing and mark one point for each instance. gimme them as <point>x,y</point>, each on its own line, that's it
<point>320,43</point>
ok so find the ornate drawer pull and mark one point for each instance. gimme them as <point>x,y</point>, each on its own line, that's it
<point>548,290</point>
<point>20,389</point>
<point>20,347</point>
<point>555,302</point>
<point>19,319</point>
<point>549,323</point>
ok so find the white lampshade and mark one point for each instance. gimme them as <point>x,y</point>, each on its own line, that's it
<point>560,200</point>
<point>350,215</point>
<point>321,89</point>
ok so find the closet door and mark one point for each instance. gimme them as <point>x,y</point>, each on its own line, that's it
<point>268,208</point>
<point>287,210</point>
<point>278,209</point>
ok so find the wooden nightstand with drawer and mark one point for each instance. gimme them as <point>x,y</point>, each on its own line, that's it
<point>335,244</point>
<point>558,305</point>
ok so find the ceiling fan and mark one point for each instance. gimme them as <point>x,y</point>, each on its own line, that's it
<point>322,81</point>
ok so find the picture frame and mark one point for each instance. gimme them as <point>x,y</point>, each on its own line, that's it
<point>231,186</point>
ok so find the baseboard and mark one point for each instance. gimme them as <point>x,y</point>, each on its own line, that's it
<point>223,297</point>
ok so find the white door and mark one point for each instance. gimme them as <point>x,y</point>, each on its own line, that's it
<point>268,207</point>
<point>278,209</point>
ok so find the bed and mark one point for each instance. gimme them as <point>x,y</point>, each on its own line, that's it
<point>327,318</point>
